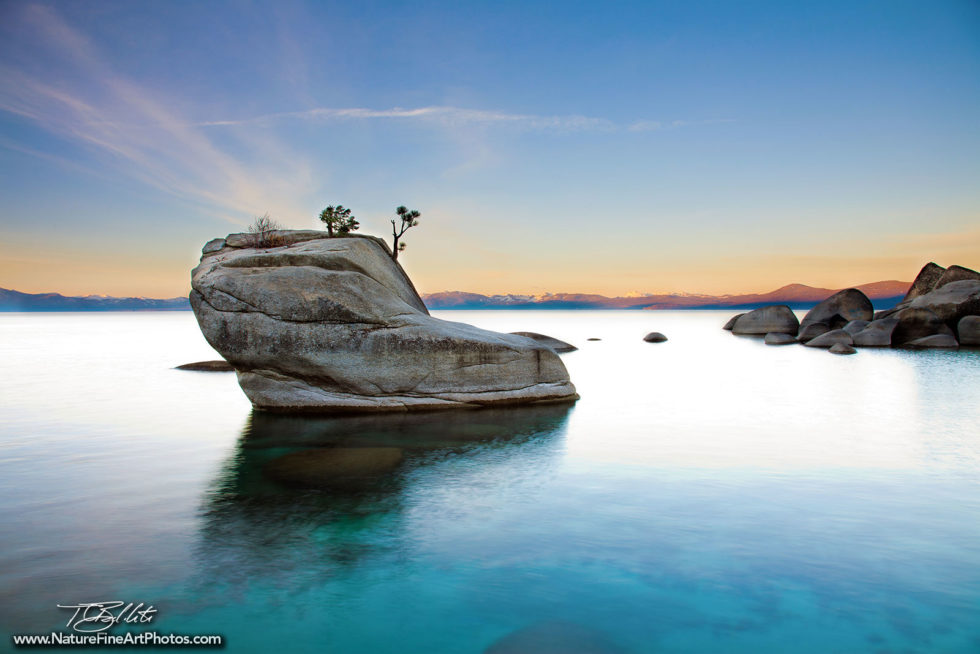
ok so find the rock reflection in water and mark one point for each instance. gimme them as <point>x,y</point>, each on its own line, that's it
<point>259,530</point>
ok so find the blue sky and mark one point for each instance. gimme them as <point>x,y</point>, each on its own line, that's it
<point>564,147</point>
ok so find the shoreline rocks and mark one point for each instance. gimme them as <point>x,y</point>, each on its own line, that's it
<point>940,310</point>
<point>654,337</point>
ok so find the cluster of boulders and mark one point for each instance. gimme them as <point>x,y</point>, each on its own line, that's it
<point>940,310</point>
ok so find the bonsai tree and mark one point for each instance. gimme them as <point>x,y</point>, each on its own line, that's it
<point>263,232</point>
<point>409,219</point>
<point>338,219</point>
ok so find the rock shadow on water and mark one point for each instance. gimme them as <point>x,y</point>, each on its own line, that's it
<point>303,499</point>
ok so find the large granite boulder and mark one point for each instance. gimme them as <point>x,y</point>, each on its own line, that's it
<point>925,281</point>
<point>775,318</point>
<point>334,324</point>
<point>842,348</point>
<point>917,322</point>
<point>951,302</point>
<point>840,308</point>
<point>968,330</point>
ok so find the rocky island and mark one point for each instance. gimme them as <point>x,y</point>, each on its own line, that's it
<point>321,324</point>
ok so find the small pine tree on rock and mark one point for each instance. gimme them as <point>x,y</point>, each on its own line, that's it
<point>409,219</point>
<point>338,220</point>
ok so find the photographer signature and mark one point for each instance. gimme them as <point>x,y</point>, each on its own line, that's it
<point>92,617</point>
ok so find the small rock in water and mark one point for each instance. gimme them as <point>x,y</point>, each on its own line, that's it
<point>841,348</point>
<point>778,338</point>
<point>654,337</point>
<point>208,366</point>
<point>593,339</point>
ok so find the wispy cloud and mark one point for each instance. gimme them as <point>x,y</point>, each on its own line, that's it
<point>60,81</point>
<point>440,115</point>
<point>90,104</point>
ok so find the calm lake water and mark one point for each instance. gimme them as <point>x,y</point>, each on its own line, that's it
<point>708,494</point>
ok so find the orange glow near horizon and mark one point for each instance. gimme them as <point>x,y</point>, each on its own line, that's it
<point>436,266</point>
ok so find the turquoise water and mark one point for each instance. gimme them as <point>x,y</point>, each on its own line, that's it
<point>708,494</point>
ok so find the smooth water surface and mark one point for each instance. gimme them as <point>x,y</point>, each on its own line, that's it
<point>707,494</point>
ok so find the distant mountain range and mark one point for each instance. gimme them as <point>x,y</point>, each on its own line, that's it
<point>797,296</point>
<point>17,301</point>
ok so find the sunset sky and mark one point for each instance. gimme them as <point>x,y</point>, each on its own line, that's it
<point>552,147</point>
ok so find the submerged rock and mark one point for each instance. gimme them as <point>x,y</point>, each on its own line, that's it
<point>207,366</point>
<point>731,321</point>
<point>548,341</point>
<point>830,339</point>
<point>778,338</point>
<point>775,318</point>
<point>840,308</point>
<point>593,339</point>
<point>333,466</point>
<point>334,324</point>
<point>968,330</point>
<point>841,348</point>
<point>654,337</point>
<point>555,637</point>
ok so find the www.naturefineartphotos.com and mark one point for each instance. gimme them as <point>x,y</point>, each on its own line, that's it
<point>386,327</point>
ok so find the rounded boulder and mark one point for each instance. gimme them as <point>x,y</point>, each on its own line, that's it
<point>777,318</point>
